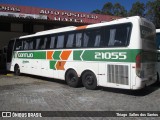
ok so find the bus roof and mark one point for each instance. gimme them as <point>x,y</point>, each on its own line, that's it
<point>71,28</point>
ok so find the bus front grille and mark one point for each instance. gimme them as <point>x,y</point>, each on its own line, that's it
<point>118,74</point>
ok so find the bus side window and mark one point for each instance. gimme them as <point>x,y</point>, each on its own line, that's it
<point>97,41</point>
<point>79,39</point>
<point>97,38</point>
<point>121,37</point>
<point>43,43</point>
<point>34,43</point>
<point>37,43</point>
<point>86,40</point>
<point>52,43</point>
<point>18,45</point>
<point>70,41</point>
<point>26,44</point>
<point>48,42</point>
<point>30,42</point>
<point>112,37</point>
<point>60,41</point>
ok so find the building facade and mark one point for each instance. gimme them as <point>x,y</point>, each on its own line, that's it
<point>16,20</point>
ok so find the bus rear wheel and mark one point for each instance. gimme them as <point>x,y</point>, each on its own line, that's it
<point>17,70</point>
<point>89,80</point>
<point>72,78</point>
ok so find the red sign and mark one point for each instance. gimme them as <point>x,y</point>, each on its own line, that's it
<point>57,15</point>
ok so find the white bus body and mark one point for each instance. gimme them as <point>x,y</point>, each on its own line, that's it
<point>117,54</point>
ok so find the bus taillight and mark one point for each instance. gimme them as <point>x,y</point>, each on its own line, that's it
<point>139,72</point>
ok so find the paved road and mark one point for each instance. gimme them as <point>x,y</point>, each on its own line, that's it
<point>30,93</point>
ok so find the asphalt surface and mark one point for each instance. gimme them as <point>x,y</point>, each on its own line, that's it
<point>32,93</point>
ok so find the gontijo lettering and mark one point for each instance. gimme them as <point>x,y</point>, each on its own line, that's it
<point>25,55</point>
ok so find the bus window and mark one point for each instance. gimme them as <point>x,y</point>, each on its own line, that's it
<point>112,37</point>
<point>78,39</point>
<point>70,41</point>
<point>18,45</point>
<point>97,40</point>
<point>87,37</point>
<point>43,43</point>
<point>37,43</point>
<point>52,44</point>
<point>30,42</point>
<point>119,35</point>
<point>48,42</point>
<point>60,41</point>
<point>26,44</point>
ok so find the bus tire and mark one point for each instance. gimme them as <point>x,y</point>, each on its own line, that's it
<point>16,70</point>
<point>89,80</point>
<point>72,78</point>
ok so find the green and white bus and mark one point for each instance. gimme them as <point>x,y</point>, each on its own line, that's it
<point>117,54</point>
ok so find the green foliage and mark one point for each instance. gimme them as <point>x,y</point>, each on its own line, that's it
<point>112,9</point>
<point>137,9</point>
<point>97,11</point>
<point>108,8</point>
<point>119,10</point>
<point>153,12</point>
<point>150,10</point>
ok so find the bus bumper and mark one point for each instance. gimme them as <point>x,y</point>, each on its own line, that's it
<point>141,83</point>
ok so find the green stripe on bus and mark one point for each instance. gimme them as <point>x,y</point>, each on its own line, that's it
<point>56,55</point>
<point>39,55</point>
<point>52,65</point>
<point>128,55</point>
<point>77,54</point>
<point>31,55</point>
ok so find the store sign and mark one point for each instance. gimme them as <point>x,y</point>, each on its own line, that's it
<point>68,16</point>
<point>21,15</point>
<point>7,8</point>
<point>51,14</point>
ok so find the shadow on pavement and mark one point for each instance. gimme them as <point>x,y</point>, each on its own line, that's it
<point>142,92</point>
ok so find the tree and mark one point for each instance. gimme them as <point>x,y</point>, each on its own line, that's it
<point>119,10</point>
<point>107,8</point>
<point>153,12</point>
<point>112,9</point>
<point>97,11</point>
<point>137,9</point>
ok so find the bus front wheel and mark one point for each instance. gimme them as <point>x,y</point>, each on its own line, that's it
<point>89,80</point>
<point>17,70</point>
<point>72,78</point>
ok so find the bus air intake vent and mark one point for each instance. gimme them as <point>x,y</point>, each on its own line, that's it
<point>118,74</point>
